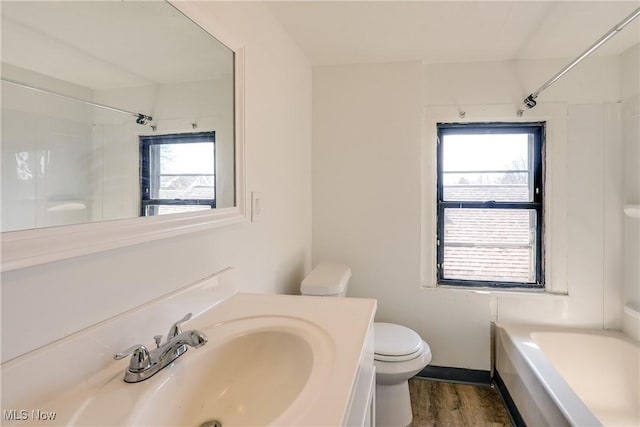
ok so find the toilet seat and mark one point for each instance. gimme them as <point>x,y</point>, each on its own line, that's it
<point>389,372</point>
<point>403,358</point>
<point>396,343</point>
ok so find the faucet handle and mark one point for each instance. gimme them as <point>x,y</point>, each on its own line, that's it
<point>175,330</point>
<point>140,359</point>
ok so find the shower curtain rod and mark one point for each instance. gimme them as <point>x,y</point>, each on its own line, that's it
<point>141,119</point>
<point>530,101</point>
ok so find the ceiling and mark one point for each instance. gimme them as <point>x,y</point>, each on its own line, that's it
<point>135,43</point>
<point>109,44</point>
<point>344,32</point>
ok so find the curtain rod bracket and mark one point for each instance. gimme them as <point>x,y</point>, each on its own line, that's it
<point>530,101</point>
<point>143,119</point>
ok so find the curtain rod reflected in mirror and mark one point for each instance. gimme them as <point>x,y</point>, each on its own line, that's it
<point>141,119</point>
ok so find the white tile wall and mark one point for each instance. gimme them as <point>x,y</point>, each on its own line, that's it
<point>631,191</point>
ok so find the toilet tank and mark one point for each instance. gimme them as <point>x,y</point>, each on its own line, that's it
<point>327,279</point>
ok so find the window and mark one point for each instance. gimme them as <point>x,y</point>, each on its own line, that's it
<point>177,173</point>
<point>490,204</point>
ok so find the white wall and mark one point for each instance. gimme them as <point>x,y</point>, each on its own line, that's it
<point>367,204</point>
<point>367,200</point>
<point>43,303</point>
<point>630,78</point>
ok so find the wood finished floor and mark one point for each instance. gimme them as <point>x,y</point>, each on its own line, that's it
<point>440,404</point>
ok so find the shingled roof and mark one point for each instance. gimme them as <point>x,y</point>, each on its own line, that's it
<point>488,244</point>
<point>186,187</point>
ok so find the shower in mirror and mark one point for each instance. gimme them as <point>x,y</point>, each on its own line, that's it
<point>112,110</point>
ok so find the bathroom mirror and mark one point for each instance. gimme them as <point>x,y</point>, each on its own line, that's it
<point>121,116</point>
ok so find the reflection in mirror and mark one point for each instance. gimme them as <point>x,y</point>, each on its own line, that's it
<point>112,110</point>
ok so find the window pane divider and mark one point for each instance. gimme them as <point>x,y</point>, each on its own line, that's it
<point>489,284</point>
<point>489,171</point>
<point>490,204</point>
<point>487,245</point>
<point>186,174</point>
<point>203,202</point>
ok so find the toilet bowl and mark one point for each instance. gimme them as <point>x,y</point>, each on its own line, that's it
<point>400,352</point>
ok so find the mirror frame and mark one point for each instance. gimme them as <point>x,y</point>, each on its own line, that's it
<point>27,248</point>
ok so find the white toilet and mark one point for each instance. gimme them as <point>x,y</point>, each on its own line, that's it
<point>400,353</point>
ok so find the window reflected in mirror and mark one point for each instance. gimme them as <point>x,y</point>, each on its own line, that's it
<point>177,173</point>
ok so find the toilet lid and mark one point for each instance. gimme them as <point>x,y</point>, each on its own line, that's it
<point>395,340</point>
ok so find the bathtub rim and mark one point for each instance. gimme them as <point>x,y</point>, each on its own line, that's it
<point>571,406</point>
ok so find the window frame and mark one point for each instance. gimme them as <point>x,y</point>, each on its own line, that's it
<point>538,130</point>
<point>146,142</point>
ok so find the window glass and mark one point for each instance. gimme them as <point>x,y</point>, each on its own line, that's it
<point>486,167</point>
<point>183,171</point>
<point>490,244</point>
<point>186,158</point>
<point>171,209</point>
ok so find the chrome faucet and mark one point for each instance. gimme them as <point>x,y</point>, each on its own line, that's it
<point>144,363</point>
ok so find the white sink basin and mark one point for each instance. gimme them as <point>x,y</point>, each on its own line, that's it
<point>233,383</point>
<point>251,372</point>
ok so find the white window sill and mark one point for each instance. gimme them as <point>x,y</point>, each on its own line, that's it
<point>506,292</point>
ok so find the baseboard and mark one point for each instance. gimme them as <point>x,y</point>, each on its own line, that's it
<point>512,409</point>
<point>456,375</point>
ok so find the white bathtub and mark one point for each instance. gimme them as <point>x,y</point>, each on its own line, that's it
<point>561,376</point>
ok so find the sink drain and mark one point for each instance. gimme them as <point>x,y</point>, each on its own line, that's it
<point>211,423</point>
